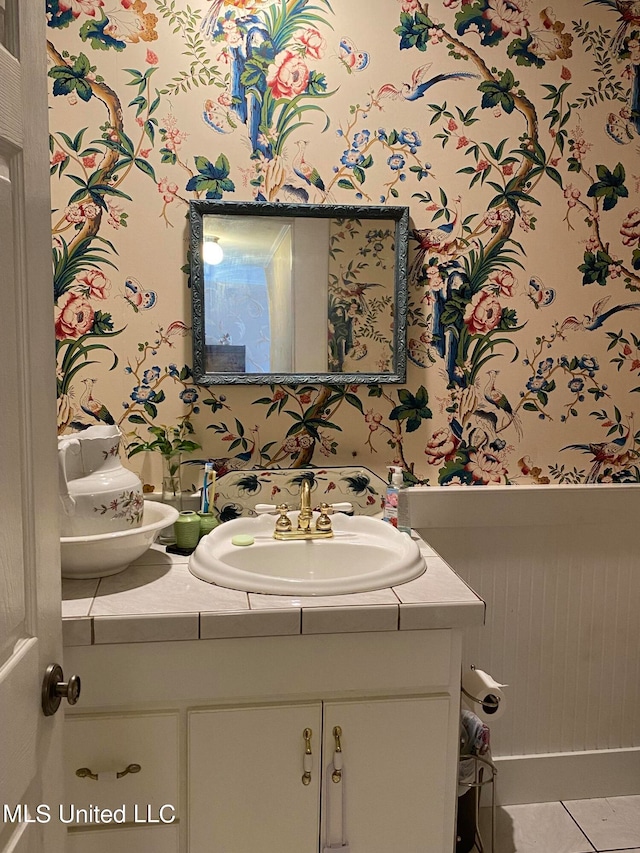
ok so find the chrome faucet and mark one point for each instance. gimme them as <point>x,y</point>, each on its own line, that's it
<point>322,529</point>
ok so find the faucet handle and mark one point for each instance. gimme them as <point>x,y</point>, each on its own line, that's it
<point>264,509</point>
<point>345,507</point>
<point>283,524</point>
<point>324,522</point>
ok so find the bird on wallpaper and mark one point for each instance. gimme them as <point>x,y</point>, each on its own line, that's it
<point>627,40</point>
<point>597,317</point>
<point>498,399</point>
<point>209,22</point>
<point>418,86</point>
<point>602,453</point>
<point>92,407</point>
<point>441,239</point>
<point>306,171</point>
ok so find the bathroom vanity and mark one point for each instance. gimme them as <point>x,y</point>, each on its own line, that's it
<point>219,721</point>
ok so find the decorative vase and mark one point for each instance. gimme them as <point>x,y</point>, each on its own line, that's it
<point>171,493</point>
<point>98,494</point>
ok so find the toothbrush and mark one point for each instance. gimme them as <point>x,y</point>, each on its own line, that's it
<point>206,487</point>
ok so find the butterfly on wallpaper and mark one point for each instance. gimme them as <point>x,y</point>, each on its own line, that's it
<point>540,295</point>
<point>352,58</point>
<point>619,129</point>
<point>218,117</point>
<point>137,297</point>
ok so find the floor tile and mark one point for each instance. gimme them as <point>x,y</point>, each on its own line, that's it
<point>610,824</point>
<point>535,828</point>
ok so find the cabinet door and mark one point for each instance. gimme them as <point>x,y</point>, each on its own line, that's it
<point>394,785</point>
<point>246,792</point>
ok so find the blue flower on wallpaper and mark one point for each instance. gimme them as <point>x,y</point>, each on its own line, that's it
<point>589,363</point>
<point>143,394</point>
<point>351,158</point>
<point>150,375</point>
<point>576,385</point>
<point>396,162</point>
<point>536,383</point>
<point>189,395</point>
<point>361,138</point>
<point>411,138</point>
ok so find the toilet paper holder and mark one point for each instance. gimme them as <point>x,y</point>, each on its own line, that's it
<point>489,703</point>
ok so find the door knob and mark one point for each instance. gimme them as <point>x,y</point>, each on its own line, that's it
<point>55,689</point>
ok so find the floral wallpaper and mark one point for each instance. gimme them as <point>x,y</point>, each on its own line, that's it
<point>511,129</point>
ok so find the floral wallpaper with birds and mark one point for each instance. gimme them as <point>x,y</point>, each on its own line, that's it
<point>510,128</point>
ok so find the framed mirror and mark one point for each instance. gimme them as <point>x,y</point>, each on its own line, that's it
<point>298,293</point>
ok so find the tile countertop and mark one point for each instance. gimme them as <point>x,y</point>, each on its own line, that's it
<point>158,599</point>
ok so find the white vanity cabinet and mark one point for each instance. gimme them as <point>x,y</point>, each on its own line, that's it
<point>241,707</point>
<point>247,790</point>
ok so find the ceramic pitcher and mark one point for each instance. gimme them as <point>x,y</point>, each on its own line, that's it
<point>98,494</point>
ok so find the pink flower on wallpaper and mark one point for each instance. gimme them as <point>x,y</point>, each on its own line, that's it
<point>152,57</point>
<point>630,229</point>
<point>73,316</point>
<point>288,75</point>
<point>504,280</point>
<point>232,35</point>
<point>314,44</point>
<point>483,313</point>
<point>410,6</point>
<point>77,7</point>
<point>486,468</point>
<point>94,284</point>
<point>167,190</point>
<point>441,446</point>
<point>509,16</point>
<point>58,157</point>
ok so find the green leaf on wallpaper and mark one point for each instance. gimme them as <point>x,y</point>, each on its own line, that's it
<point>355,401</point>
<point>213,179</point>
<point>471,17</point>
<point>610,186</point>
<point>345,184</point>
<point>595,267</point>
<point>145,167</point>
<point>413,408</point>
<point>497,92</point>
<point>94,33</point>
<point>136,419</point>
<point>519,49</point>
<point>636,259</point>
<point>69,79</point>
<point>414,31</point>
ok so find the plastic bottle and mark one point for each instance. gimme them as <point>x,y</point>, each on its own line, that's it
<point>391,501</point>
<point>390,508</point>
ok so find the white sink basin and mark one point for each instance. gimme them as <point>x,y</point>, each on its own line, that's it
<point>363,554</point>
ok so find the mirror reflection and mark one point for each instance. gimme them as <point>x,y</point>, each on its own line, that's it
<point>298,292</point>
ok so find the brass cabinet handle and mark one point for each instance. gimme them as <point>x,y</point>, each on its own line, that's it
<point>307,761</point>
<point>85,773</point>
<point>336,776</point>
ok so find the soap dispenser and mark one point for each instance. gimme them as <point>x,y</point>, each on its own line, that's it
<point>390,508</point>
<point>392,511</point>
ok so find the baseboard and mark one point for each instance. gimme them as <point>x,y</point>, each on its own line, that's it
<point>566,776</point>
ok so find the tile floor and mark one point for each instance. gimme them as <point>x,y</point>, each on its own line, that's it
<point>573,826</point>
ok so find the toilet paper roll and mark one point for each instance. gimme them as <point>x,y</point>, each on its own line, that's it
<point>488,701</point>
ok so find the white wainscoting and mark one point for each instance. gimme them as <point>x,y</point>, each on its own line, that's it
<point>559,569</point>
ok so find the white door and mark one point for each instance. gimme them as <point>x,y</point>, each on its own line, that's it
<point>30,628</point>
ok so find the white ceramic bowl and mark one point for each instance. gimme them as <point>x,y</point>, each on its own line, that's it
<point>105,554</point>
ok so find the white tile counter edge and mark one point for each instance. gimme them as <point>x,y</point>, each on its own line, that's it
<point>157,600</point>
